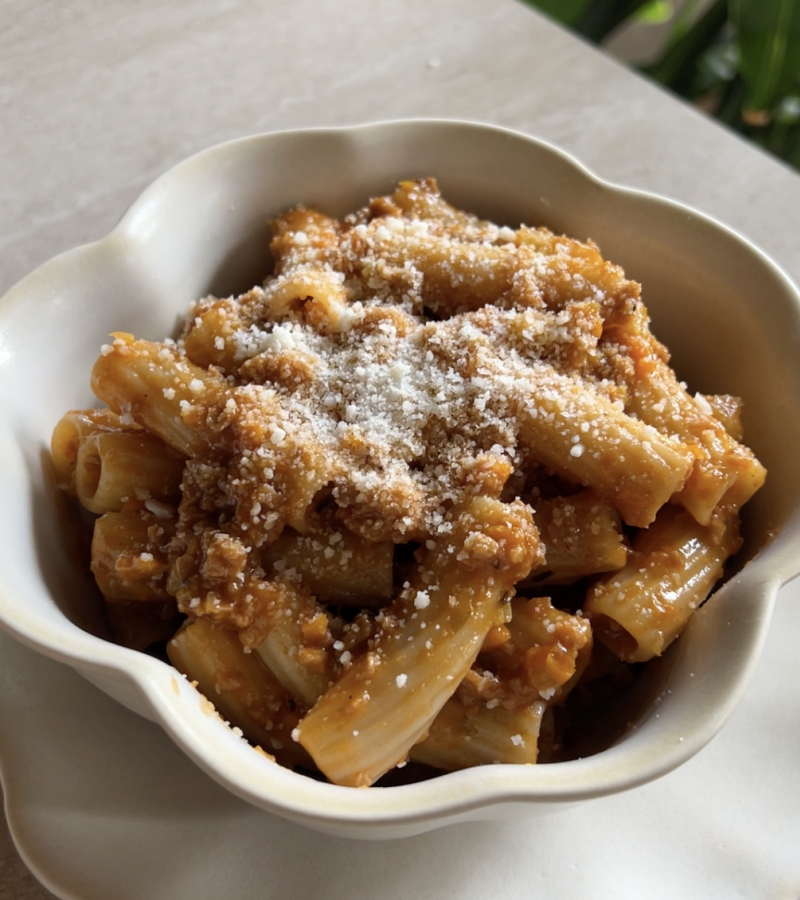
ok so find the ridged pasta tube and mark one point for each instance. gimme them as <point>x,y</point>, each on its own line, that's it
<point>471,734</point>
<point>429,637</point>
<point>639,610</point>
<point>241,689</point>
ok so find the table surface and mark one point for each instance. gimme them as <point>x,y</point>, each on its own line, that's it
<point>99,98</point>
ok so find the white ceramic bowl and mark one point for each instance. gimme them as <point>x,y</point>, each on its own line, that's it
<point>729,315</point>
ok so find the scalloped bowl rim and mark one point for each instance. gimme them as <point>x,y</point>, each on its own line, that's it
<point>451,797</point>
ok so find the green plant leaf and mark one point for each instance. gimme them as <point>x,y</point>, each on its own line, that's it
<point>677,67</point>
<point>656,12</point>
<point>565,11</point>
<point>768,33</point>
<point>601,17</point>
<point>683,21</point>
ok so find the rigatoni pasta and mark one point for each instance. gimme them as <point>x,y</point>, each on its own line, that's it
<point>410,495</point>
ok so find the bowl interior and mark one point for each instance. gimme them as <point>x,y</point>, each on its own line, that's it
<point>729,316</point>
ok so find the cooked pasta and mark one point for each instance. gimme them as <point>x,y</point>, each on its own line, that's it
<point>412,494</point>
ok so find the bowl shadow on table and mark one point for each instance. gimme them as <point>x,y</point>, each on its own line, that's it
<point>121,781</point>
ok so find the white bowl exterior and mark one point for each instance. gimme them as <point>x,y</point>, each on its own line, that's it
<point>730,315</point>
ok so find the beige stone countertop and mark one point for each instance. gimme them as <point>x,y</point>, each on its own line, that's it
<point>99,98</point>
